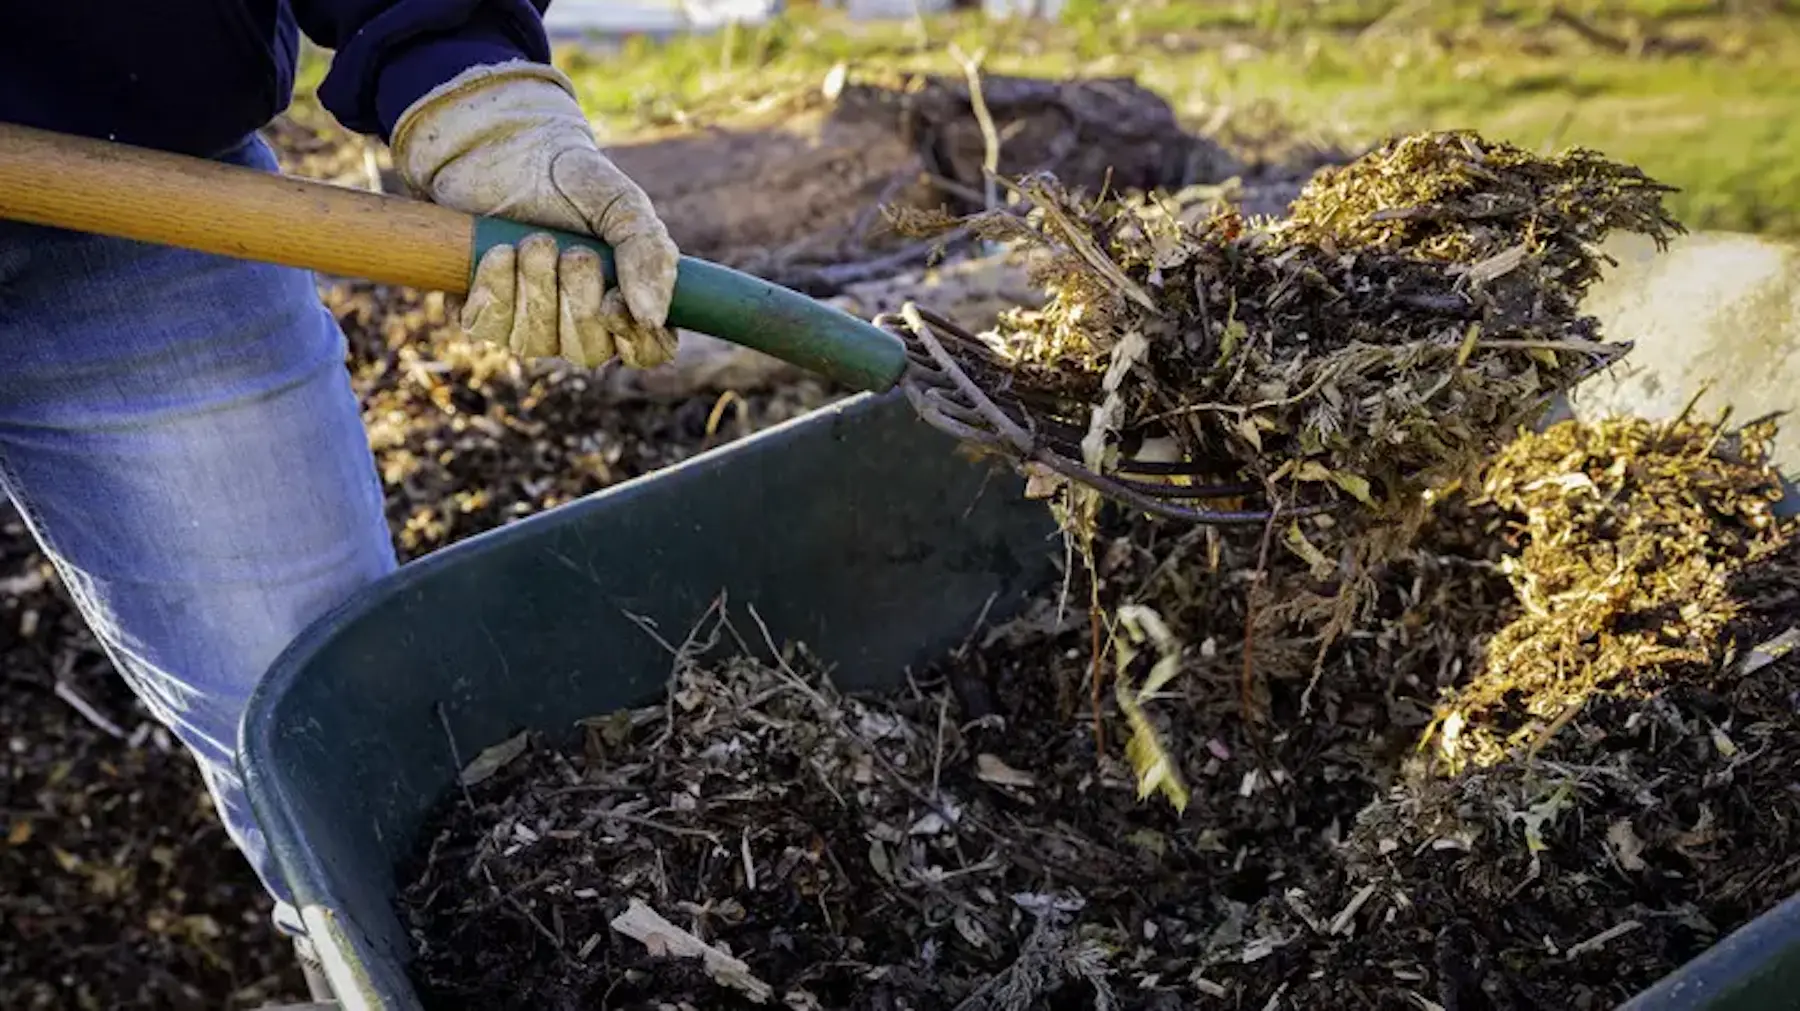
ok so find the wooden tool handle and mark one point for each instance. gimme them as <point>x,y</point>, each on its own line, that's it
<point>173,200</point>
<point>153,196</point>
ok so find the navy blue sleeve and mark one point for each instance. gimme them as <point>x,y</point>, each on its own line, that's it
<point>391,52</point>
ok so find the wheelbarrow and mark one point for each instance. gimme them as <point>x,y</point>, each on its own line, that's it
<point>856,530</point>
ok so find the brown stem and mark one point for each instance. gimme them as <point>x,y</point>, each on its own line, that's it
<point>1094,678</point>
<point>1247,685</point>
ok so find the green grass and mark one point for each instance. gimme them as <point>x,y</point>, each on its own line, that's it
<point>1717,124</point>
<point>1316,15</point>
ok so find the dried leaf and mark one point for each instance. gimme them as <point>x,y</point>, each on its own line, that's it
<point>1155,768</point>
<point>1723,743</point>
<point>1153,764</point>
<point>990,769</point>
<point>878,859</point>
<point>646,926</point>
<point>1230,341</point>
<point>1249,432</point>
<point>1297,542</point>
<point>492,760</point>
<point>1541,815</point>
<point>1150,841</point>
<point>1041,482</point>
<point>1626,846</point>
<point>1357,487</point>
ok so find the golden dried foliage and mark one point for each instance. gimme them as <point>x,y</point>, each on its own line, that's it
<point>1633,531</point>
<point>1417,305</point>
<point>1157,769</point>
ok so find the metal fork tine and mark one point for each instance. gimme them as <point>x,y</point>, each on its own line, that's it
<point>1242,489</point>
<point>951,391</point>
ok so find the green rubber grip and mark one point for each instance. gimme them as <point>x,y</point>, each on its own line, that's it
<point>748,311</point>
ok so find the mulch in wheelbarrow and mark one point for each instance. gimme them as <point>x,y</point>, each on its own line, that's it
<point>1552,764</point>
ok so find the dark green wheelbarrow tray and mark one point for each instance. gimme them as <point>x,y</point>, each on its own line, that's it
<point>857,530</point>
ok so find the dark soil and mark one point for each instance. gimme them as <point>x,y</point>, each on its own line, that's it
<point>118,885</point>
<point>901,853</point>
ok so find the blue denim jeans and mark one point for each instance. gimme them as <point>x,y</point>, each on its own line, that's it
<point>179,432</point>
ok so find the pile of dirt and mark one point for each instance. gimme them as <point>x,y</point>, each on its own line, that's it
<point>789,186</point>
<point>762,840</point>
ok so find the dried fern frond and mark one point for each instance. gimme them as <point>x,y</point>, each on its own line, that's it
<point>1156,768</point>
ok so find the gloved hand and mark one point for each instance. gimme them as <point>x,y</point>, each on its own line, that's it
<point>510,140</point>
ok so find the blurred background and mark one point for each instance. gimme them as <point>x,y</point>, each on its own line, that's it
<point>1700,94</point>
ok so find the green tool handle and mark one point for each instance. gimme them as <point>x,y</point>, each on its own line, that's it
<point>734,306</point>
<point>173,200</point>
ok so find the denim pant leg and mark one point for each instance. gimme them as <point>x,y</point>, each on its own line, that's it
<point>179,432</point>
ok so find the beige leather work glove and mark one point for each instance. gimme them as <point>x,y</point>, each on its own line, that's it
<point>510,140</point>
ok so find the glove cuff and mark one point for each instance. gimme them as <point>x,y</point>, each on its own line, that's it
<point>483,106</point>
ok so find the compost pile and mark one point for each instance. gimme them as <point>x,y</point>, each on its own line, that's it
<point>761,840</point>
<point>1413,307</point>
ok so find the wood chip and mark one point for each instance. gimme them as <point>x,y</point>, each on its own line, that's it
<point>1771,651</point>
<point>646,926</point>
<point>991,769</point>
<point>1499,265</point>
<point>1603,938</point>
<point>492,760</point>
<point>1345,921</point>
<point>1625,844</point>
